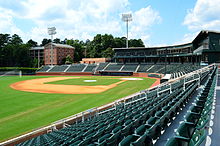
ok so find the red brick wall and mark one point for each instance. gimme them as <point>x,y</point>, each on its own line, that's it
<point>58,55</point>
<point>94,60</point>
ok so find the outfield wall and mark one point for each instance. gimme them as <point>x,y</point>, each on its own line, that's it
<point>85,74</point>
<point>64,73</point>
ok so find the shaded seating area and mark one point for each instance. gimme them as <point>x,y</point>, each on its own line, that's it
<point>114,67</point>
<point>193,130</point>
<point>76,68</point>
<point>44,69</point>
<point>90,68</point>
<point>130,67</point>
<point>59,68</point>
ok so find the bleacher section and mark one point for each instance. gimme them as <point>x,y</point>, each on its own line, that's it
<point>176,70</point>
<point>59,68</point>
<point>76,68</point>
<point>156,69</point>
<point>90,68</point>
<point>44,69</point>
<point>193,130</point>
<point>114,67</point>
<point>130,67</point>
<point>101,66</point>
<point>142,119</point>
<point>144,67</point>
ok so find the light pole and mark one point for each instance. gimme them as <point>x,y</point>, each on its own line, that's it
<point>51,31</point>
<point>126,18</point>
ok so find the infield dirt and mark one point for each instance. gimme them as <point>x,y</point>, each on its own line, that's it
<point>38,85</point>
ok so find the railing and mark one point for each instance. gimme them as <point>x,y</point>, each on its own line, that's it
<point>102,109</point>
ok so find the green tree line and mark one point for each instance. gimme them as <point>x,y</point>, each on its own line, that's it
<point>14,52</point>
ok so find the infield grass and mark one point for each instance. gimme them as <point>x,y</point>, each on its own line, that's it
<point>22,112</point>
<point>82,81</point>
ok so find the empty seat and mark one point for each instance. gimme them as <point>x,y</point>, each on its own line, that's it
<point>185,130</point>
<point>127,140</point>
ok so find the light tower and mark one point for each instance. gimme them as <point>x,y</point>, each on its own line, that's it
<point>51,31</point>
<point>126,18</point>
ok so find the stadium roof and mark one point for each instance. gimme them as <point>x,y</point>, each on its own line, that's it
<point>164,47</point>
<point>201,35</point>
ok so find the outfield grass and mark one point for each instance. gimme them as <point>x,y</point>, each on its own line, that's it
<point>21,112</point>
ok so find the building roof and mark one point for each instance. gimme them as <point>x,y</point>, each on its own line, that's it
<point>36,48</point>
<point>60,45</point>
<point>203,34</point>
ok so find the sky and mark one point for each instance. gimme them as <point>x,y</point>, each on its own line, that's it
<point>156,22</point>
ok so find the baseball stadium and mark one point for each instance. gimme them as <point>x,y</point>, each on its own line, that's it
<point>141,96</point>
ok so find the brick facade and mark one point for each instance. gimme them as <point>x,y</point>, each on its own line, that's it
<point>95,60</point>
<point>59,52</point>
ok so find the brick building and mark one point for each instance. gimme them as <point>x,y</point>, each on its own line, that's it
<point>59,52</point>
<point>37,53</point>
<point>95,60</point>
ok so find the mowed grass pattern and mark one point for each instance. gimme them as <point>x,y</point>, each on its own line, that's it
<point>22,112</point>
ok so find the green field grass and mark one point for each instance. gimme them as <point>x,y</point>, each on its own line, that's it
<point>22,112</point>
<point>80,81</point>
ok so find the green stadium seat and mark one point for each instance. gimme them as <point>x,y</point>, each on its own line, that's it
<point>141,129</point>
<point>198,137</point>
<point>85,142</point>
<point>114,139</point>
<point>102,140</point>
<point>203,121</point>
<point>163,121</point>
<point>151,121</point>
<point>143,140</point>
<point>185,130</point>
<point>116,129</point>
<point>159,113</point>
<point>75,143</point>
<point>126,130</point>
<point>196,109</point>
<point>127,140</point>
<point>177,141</point>
<point>155,131</point>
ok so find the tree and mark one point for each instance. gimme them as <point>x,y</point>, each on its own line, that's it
<point>108,53</point>
<point>57,40</point>
<point>68,60</point>
<point>135,43</point>
<point>4,39</point>
<point>32,43</point>
<point>16,39</point>
<point>45,41</point>
<point>79,49</point>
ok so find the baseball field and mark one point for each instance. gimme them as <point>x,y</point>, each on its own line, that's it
<point>31,102</point>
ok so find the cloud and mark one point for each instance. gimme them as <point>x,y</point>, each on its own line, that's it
<point>75,19</point>
<point>143,20</point>
<point>205,15</point>
<point>7,25</point>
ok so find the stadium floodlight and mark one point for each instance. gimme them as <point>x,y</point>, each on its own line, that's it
<point>51,32</point>
<point>126,18</point>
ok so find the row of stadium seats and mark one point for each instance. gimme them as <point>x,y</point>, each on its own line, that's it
<point>138,121</point>
<point>175,70</point>
<point>193,130</point>
<point>115,126</point>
